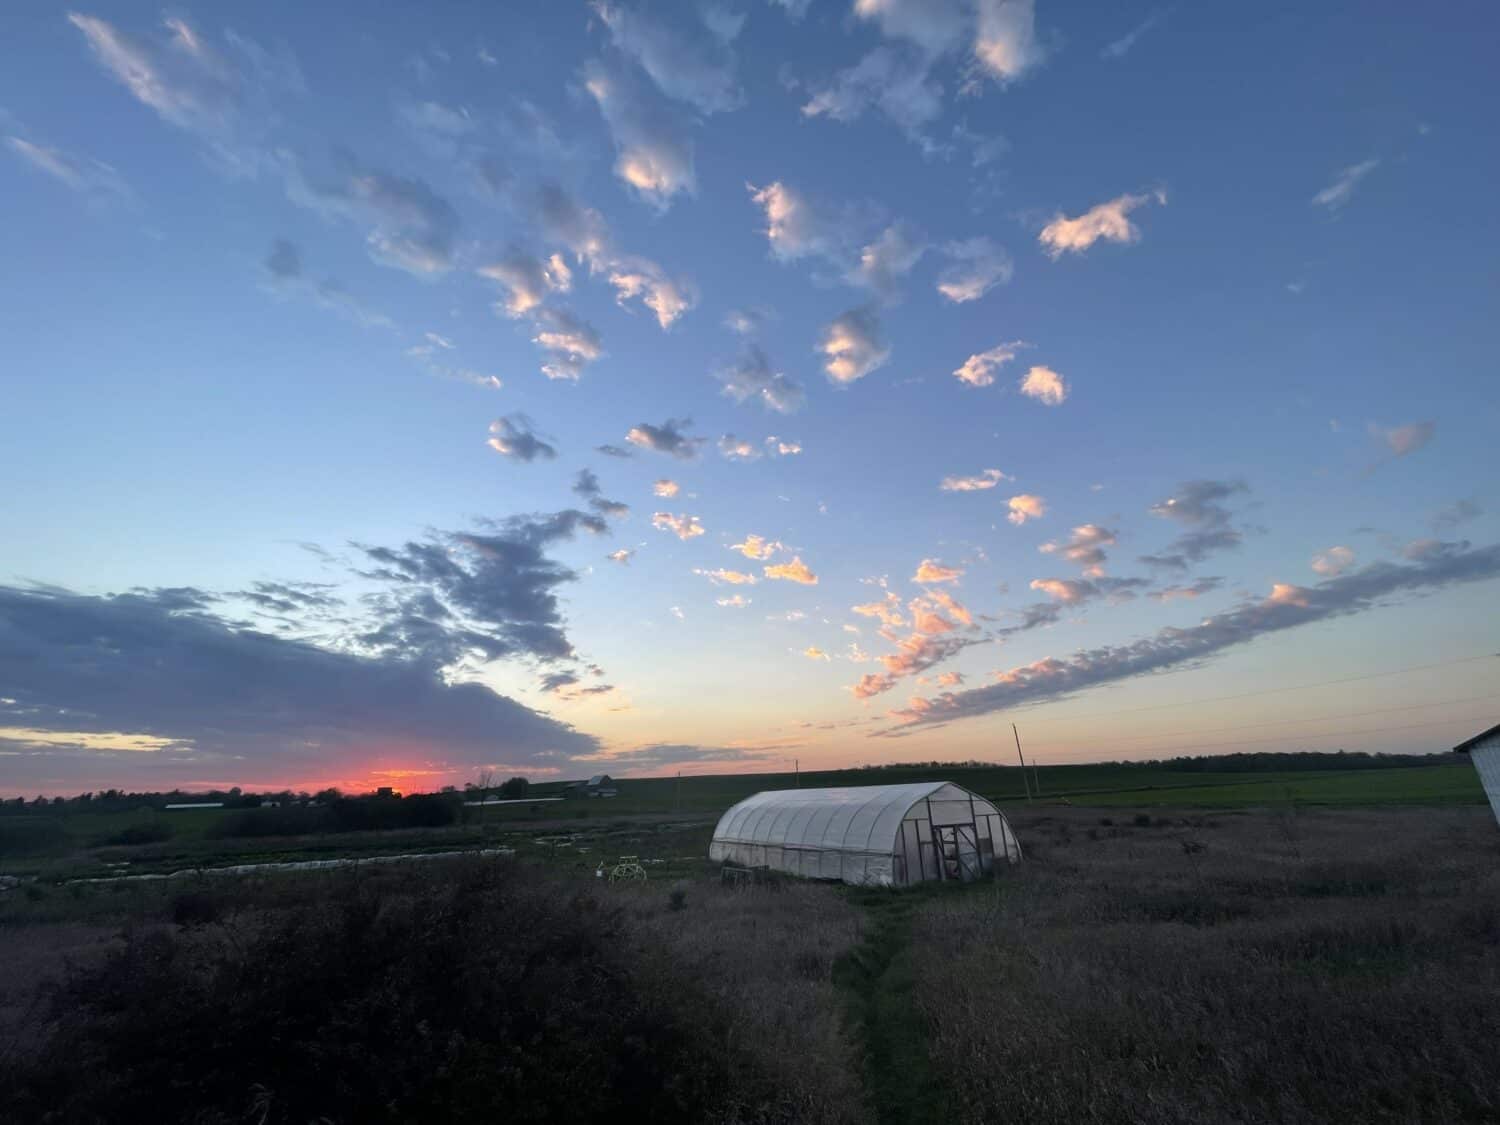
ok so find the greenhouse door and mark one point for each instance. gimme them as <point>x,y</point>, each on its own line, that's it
<point>957,848</point>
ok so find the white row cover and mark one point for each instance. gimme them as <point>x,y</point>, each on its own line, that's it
<point>868,834</point>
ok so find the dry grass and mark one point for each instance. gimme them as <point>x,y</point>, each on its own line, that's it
<point>766,956</point>
<point>1240,967</point>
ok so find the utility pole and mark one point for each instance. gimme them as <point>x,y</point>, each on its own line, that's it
<point>797,771</point>
<point>1022,758</point>
<point>678,803</point>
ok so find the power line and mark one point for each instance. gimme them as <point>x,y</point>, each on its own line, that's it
<point>1324,734</point>
<point>1267,691</point>
<point>1306,719</point>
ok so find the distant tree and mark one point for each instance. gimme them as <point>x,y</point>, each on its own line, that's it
<point>484,781</point>
<point>515,787</point>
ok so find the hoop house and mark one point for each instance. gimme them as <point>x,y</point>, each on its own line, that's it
<point>885,835</point>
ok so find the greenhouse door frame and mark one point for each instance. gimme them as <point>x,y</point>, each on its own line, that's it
<point>963,839</point>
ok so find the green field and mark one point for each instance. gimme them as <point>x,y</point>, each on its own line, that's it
<point>671,820</point>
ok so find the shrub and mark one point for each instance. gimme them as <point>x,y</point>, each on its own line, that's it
<point>149,832</point>
<point>30,835</point>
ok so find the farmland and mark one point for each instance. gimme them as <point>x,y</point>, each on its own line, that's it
<point>1178,946</point>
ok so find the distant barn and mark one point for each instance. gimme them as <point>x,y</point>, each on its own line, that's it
<point>885,835</point>
<point>600,785</point>
<point>1484,751</point>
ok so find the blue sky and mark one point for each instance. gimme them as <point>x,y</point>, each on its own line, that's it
<point>313,322</point>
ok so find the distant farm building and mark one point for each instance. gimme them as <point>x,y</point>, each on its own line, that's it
<point>600,785</point>
<point>1484,751</point>
<point>886,835</point>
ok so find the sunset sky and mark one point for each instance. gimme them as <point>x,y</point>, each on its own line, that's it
<point>398,391</point>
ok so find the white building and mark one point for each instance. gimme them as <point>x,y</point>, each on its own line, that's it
<point>1484,751</point>
<point>886,835</point>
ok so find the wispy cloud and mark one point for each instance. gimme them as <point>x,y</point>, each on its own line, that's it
<point>1199,504</point>
<point>976,266</point>
<point>690,61</point>
<point>1085,547</point>
<point>95,181</point>
<point>653,143</point>
<point>1287,607</point>
<point>987,479</point>
<point>752,379</point>
<point>1333,562</point>
<point>1338,193</point>
<point>1121,47</point>
<point>757,547</point>
<point>732,448</point>
<point>931,571</point>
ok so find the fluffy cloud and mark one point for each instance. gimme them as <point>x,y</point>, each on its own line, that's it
<point>731,577</point>
<point>1289,607</point>
<point>654,149</point>
<point>569,343</point>
<point>793,228</point>
<point>635,278</point>
<point>736,601</point>
<point>1333,562</point>
<point>813,652</point>
<point>872,684</point>
<point>667,438</point>
<point>756,547</point>
<point>934,26</point>
<point>1109,221</point>
<point>752,378</point>
<point>989,478</point>
<point>979,369</point>
<point>976,266</point>
<point>779,447</point>
<point>1005,40</point>
<point>1199,505</point>
<point>512,437</point>
<point>888,611</point>
<point>852,346</point>
<point>1085,546</point>
<point>794,571</point>
<point>933,571</point>
<point>1025,507</point>
<point>666,488</point>
<point>1044,385</point>
<point>623,555</point>
<point>1338,193</point>
<point>527,280</point>
<point>690,62</point>
<point>737,449</point>
<point>684,527</point>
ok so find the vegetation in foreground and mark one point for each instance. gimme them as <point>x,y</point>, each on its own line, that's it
<point>1141,965</point>
<point>484,991</point>
<point>1240,967</point>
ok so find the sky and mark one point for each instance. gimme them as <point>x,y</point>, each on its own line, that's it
<point>398,392</point>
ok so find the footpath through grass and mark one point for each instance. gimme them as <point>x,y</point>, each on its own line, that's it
<point>878,977</point>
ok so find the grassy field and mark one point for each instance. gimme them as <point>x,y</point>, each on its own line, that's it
<point>1291,963</point>
<point>669,822</point>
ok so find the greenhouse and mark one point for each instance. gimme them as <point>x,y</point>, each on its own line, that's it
<point>883,835</point>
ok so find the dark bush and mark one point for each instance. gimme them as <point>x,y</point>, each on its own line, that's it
<point>30,835</point>
<point>150,832</point>
<point>344,814</point>
<point>482,997</point>
<point>1143,820</point>
<point>194,908</point>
